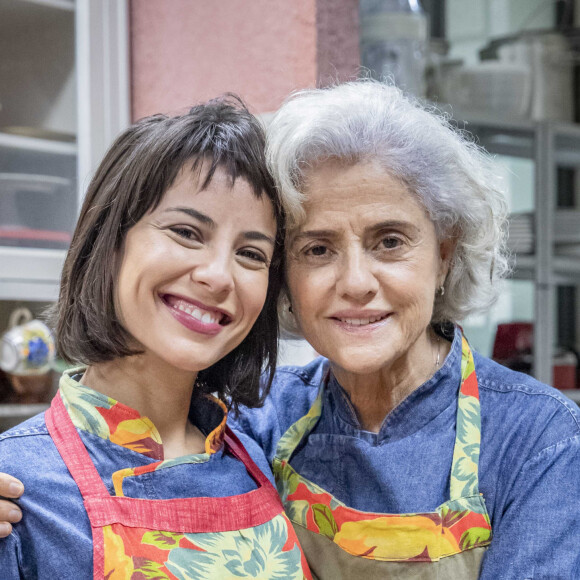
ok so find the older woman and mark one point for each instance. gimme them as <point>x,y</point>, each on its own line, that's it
<point>401,453</point>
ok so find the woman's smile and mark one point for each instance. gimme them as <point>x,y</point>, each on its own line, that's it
<point>352,321</point>
<point>195,315</point>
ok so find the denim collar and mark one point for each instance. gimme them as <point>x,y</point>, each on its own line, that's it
<point>107,418</point>
<point>420,407</point>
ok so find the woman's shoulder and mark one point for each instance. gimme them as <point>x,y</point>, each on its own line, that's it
<point>308,376</point>
<point>293,392</point>
<point>24,445</point>
<point>513,399</point>
<point>25,435</point>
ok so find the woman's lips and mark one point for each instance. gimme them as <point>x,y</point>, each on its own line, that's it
<point>195,315</point>
<point>359,320</point>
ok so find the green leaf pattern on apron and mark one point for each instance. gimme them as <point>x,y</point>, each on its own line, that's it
<point>251,553</point>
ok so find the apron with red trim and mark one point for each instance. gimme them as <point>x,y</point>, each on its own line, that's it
<point>342,542</point>
<point>242,536</point>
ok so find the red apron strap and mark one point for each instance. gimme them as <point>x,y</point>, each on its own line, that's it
<point>72,450</point>
<point>187,515</point>
<point>82,469</point>
<point>239,452</point>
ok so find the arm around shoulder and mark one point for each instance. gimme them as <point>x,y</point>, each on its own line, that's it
<point>10,488</point>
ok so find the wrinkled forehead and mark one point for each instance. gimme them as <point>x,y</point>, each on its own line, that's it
<point>333,184</point>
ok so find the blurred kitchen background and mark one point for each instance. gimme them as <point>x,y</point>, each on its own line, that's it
<point>75,73</point>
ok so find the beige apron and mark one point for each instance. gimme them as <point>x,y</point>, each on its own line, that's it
<point>343,543</point>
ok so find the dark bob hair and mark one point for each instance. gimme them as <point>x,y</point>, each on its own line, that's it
<point>131,180</point>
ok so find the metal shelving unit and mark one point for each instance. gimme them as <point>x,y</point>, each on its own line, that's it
<point>550,145</point>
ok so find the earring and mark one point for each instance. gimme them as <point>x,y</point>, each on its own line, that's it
<point>441,290</point>
<point>290,309</point>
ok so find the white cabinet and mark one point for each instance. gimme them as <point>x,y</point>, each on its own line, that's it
<point>64,95</point>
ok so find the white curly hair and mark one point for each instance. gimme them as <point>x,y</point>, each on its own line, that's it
<point>452,177</point>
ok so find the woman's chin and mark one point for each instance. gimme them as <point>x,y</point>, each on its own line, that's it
<point>358,367</point>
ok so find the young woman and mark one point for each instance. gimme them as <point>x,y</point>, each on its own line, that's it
<point>168,300</point>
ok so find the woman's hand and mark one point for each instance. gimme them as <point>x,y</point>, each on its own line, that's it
<point>10,488</point>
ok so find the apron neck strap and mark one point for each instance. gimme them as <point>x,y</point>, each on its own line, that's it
<point>302,428</point>
<point>464,480</point>
<point>82,469</point>
<point>72,450</point>
<point>237,449</point>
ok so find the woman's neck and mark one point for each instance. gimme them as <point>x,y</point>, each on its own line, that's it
<point>161,394</point>
<point>375,395</point>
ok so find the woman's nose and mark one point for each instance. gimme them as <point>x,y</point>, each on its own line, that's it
<point>355,276</point>
<point>215,273</point>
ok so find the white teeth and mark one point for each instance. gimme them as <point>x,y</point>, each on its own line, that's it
<point>201,315</point>
<point>360,321</point>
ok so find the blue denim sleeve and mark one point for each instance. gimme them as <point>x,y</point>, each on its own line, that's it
<point>261,425</point>
<point>10,558</point>
<point>538,534</point>
<point>256,454</point>
<point>291,396</point>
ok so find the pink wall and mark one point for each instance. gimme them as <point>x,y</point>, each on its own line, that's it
<point>186,51</point>
<point>338,56</point>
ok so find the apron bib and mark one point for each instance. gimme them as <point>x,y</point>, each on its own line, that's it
<point>342,542</point>
<point>242,536</point>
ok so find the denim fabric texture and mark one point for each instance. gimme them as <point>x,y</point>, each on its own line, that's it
<point>529,468</point>
<point>53,540</point>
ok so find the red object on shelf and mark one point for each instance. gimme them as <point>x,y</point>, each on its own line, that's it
<point>565,370</point>
<point>512,340</point>
<point>513,348</point>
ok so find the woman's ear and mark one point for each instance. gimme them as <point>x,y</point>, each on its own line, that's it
<point>446,252</point>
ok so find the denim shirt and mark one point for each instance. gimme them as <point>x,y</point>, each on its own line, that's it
<point>54,540</point>
<point>529,464</point>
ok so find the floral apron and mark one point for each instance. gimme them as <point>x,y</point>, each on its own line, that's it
<point>242,536</point>
<point>342,542</point>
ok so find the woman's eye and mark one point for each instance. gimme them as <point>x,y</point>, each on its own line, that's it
<point>253,255</point>
<point>314,253</point>
<point>317,251</point>
<point>390,243</point>
<point>186,233</point>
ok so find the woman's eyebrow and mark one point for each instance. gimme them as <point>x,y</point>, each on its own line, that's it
<point>204,219</point>
<point>313,234</point>
<point>259,236</point>
<point>322,233</point>
<point>392,224</point>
